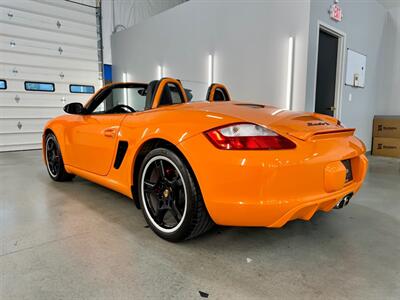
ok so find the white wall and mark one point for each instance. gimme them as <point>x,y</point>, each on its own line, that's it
<point>248,38</point>
<point>389,92</point>
<point>123,14</point>
<point>364,25</point>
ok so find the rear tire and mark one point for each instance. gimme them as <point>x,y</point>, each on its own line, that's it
<point>170,197</point>
<point>54,161</point>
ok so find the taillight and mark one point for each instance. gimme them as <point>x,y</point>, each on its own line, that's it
<point>247,136</point>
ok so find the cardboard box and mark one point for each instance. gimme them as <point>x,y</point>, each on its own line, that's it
<point>387,126</point>
<point>386,147</point>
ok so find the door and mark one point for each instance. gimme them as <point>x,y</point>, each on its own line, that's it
<point>91,142</point>
<point>325,94</point>
<point>45,46</point>
<point>91,139</point>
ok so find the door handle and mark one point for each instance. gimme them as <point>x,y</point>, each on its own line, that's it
<point>332,108</point>
<point>109,132</point>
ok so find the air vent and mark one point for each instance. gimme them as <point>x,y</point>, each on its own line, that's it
<point>252,105</point>
<point>121,151</point>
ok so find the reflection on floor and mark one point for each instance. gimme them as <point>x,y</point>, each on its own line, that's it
<point>78,240</point>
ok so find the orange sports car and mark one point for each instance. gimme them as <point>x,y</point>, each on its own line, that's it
<point>190,165</point>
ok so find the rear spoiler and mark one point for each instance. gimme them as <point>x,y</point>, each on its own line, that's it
<point>321,134</point>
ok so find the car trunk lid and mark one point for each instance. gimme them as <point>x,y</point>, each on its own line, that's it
<point>301,125</point>
<point>306,126</point>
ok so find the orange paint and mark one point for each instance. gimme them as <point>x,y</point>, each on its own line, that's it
<point>241,188</point>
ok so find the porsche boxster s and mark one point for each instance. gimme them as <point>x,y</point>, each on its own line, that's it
<point>190,165</point>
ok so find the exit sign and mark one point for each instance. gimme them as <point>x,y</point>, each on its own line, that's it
<point>336,12</point>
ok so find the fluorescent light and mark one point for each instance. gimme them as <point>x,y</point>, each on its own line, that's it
<point>125,79</point>
<point>160,71</point>
<point>289,83</point>
<point>210,69</point>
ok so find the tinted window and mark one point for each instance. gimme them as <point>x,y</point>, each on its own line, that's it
<point>39,86</point>
<point>82,89</point>
<point>3,84</point>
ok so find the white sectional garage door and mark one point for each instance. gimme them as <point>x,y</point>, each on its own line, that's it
<point>43,41</point>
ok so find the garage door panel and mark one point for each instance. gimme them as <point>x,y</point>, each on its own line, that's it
<point>87,6</point>
<point>19,147</point>
<point>16,81</point>
<point>44,35</point>
<point>20,138</point>
<point>31,46</point>
<point>43,41</point>
<point>71,11</point>
<point>46,74</point>
<point>41,103</point>
<point>23,18</point>
<point>37,104</point>
<point>39,60</point>
<point>22,125</point>
<point>16,85</point>
<point>45,78</point>
<point>40,100</point>
<point>30,112</point>
<point>26,98</point>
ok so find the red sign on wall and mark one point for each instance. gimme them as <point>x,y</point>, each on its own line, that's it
<point>336,12</point>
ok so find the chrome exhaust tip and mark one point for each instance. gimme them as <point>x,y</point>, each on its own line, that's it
<point>345,201</point>
<point>347,198</point>
<point>340,204</point>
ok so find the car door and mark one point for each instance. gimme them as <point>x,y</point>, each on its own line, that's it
<point>91,138</point>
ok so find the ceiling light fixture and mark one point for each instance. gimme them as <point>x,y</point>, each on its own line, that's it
<point>210,69</point>
<point>289,83</point>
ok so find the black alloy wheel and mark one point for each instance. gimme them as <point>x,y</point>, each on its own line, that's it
<point>170,197</point>
<point>54,161</point>
<point>165,193</point>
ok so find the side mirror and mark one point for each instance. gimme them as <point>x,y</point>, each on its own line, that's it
<point>74,108</point>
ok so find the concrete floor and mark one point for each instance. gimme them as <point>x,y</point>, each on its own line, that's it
<point>78,240</point>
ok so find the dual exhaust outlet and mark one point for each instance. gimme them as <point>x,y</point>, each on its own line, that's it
<point>346,200</point>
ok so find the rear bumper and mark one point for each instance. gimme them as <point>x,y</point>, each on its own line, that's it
<point>270,188</point>
<point>259,214</point>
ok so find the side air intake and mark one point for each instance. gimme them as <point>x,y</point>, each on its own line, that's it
<point>121,151</point>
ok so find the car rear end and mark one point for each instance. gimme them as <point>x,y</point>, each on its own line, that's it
<point>319,164</point>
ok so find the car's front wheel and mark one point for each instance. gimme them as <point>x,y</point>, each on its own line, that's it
<point>54,161</point>
<point>170,198</point>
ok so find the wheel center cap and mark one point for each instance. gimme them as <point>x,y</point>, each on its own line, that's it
<point>166,193</point>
